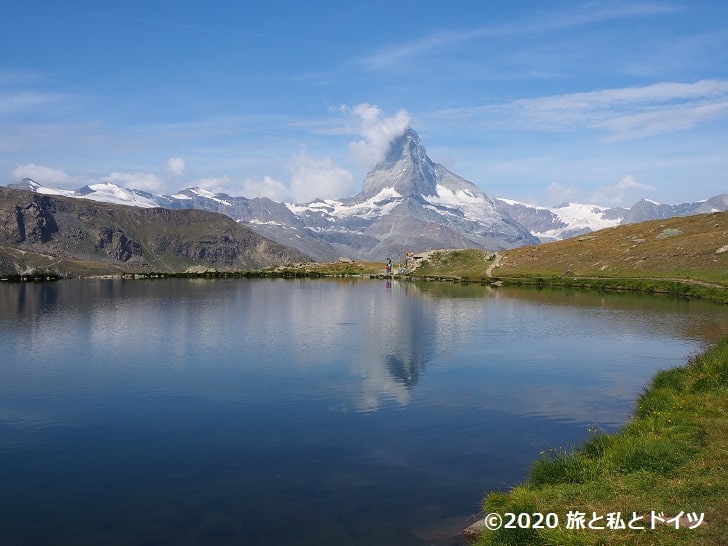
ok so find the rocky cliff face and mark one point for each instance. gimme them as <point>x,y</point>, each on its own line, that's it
<point>54,232</point>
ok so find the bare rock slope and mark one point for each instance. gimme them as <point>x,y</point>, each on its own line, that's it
<point>71,235</point>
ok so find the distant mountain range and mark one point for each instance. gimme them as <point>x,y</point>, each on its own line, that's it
<point>572,219</point>
<point>407,203</point>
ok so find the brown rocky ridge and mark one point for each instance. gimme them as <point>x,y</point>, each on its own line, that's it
<point>69,236</point>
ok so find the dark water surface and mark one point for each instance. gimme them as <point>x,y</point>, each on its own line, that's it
<point>259,412</point>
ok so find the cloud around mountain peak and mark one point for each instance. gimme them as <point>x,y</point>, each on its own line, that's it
<point>377,133</point>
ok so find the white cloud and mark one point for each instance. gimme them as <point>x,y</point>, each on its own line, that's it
<point>42,175</point>
<point>624,113</point>
<point>219,184</point>
<point>648,108</point>
<point>559,193</point>
<point>394,56</point>
<point>625,192</point>
<point>318,178</point>
<point>136,181</point>
<point>538,22</point>
<point>667,120</point>
<point>378,133</point>
<point>311,178</point>
<point>267,187</point>
<point>176,166</point>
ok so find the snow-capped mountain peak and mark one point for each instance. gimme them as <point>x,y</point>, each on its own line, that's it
<point>108,192</point>
<point>406,168</point>
<point>201,193</point>
<point>31,185</point>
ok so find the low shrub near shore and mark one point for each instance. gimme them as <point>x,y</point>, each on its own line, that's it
<point>668,461</point>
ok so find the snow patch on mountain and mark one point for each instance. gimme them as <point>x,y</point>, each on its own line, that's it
<point>28,184</point>
<point>456,197</point>
<point>51,191</point>
<point>107,192</point>
<point>376,206</point>
<point>579,215</point>
<point>459,202</point>
<point>196,192</point>
<point>563,221</point>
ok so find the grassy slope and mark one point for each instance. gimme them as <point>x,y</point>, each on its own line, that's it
<point>633,251</point>
<point>464,264</point>
<point>632,257</point>
<point>36,262</point>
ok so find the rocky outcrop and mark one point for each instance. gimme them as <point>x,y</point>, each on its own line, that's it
<point>114,242</point>
<point>30,223</point>
<point>56,232</point>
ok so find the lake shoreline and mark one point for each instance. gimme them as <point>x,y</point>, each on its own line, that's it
<point>662,471</point>
<point>687,288</point>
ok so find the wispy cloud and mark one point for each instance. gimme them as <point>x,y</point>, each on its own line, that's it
<point>377,132</point>
<point>266,187</point>
<point>136,180</point>
<point>15,102</point>
<point>176,166</point>
<point>397,54</point>
<point>625,113</point>
<point>389,57</point>
<point>215,184</point>
<point>312,178</point>
<point>42,174</point>
<point>666,120</point>
<point>620,192</point>
<point>18,77</point>
<point>594,12</point>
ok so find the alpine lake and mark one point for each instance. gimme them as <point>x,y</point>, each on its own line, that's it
<point>305,412</point>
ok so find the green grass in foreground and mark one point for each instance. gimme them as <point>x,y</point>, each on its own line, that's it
<point>670,458</point>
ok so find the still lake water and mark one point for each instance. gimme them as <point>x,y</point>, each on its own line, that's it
<point>273,412</point>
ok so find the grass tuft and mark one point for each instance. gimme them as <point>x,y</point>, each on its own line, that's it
<point>558,467</point>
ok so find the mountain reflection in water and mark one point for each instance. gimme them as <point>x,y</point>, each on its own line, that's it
<point>303,412</point>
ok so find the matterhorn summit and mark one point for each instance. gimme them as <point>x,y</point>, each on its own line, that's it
<point>406,169</point>
<point>409,203</point>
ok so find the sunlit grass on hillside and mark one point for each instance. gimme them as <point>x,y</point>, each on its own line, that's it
<point>692,247</point>
<point>679,256</point>
<point>469,264</point>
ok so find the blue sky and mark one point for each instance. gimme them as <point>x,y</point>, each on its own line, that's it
<point>602,102</point>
